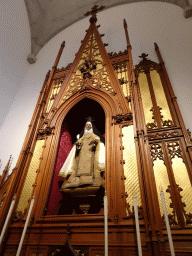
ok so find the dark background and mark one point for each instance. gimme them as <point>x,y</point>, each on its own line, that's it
<point>76,117</point>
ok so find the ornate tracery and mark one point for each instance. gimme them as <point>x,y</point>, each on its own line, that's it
<point>147,147</point>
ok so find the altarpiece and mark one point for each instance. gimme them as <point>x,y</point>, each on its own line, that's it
<point>147,148</point>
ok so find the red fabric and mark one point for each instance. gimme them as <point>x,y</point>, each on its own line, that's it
<point>65,146</point>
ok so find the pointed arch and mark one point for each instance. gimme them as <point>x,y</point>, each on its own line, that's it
<point>66,136</point>
<point>109,105</point>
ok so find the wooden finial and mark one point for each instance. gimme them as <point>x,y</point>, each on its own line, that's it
<point>126,33</point>
<point>143,56</point>
<point>124,23</point>
<point>5,171</point>
<point>63,44</point>
<point>156,46</point>
<point>93,12</point>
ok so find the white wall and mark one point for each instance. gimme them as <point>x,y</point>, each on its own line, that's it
<point>15,45</point>
<point>148,22</point>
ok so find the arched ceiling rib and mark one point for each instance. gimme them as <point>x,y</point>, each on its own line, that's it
<point>49,17</point>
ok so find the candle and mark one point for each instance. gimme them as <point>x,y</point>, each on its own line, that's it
<point>137,225</point>
<point>167,224</point>
<point>7,219</point>
<point>106,223</point>
<point>25,227</point>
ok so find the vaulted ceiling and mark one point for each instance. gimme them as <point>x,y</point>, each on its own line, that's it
<point>49,17</point>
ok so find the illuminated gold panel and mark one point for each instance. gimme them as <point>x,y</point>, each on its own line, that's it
<point>146,97</point>
<point>182,179</point>
<point>31,176</point>
<point>162,181</point>
<point>122,74</point>
<point>160,95</point>
<point>130,166</point>
<point>56,85</point>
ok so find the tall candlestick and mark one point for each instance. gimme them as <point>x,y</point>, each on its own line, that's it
<point>25,227</point>
<point>106,223</point>
<point>137,225</point>
<point>167,224</point>
<point>7,219</point>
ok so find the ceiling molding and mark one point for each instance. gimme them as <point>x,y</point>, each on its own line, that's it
<point>49,17</point>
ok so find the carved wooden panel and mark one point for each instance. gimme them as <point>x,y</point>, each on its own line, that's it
<point>36,251</point>
<point>56,86</point>
<point>90,66</point>
<point>146,98</point>
<point>131,178</point>
<point>9,253</point>
<point>155,104</point>
<point>181,178</point>
<point>31,176</point>
<point>122,74</point>
<point>161,176</point>
<point>164,134</point>
<point>79,250</point>
<point>160,96</point>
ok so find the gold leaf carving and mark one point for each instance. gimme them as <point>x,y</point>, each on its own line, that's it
<point>92,67</point>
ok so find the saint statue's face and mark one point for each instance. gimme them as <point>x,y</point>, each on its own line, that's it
<point>88,126</point>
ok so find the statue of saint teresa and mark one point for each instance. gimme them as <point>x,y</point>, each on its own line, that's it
<point>85,165</point>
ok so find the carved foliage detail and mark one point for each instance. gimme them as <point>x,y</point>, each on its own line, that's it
<point>19,215</point>
<point>188,217</point>
<point>165,123</point>
<point>174,149</point>
<point>156,152</point>
<point>189,134</point>
<point>122,74</point>
<point>152,125</point>
<point>122,118</point>
<point>130,212</point>
<point>163,135</point>
<point>145,66</point>
<point>46,131</point>
<point>87,67</point>
<point>172,217</point>
<point>91,66</point>
<point>114,54</point>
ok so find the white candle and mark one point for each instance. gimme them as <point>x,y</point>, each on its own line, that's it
<point>7,219</point>
<point>25,227</point>
<point>167,224</point>
<point>137,225</point>
<point>106,223</point>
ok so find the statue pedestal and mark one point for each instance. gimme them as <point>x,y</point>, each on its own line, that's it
<point>82,191</point>
<point>86,200</point>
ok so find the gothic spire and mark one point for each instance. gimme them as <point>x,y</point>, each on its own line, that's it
<point>93,12</point>
<point>5,171</point>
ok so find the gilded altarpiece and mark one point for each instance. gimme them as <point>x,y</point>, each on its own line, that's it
<point>147,149</point>
<point>171,163</point>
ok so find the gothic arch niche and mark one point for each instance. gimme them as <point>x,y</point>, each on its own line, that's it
<point>72,125</point>
<point>76,117</point>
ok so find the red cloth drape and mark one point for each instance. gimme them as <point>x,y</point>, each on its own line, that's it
<point>64,147</point>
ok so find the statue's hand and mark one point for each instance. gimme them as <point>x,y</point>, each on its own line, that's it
<point>78,147</point>
<point>94,144</point>
<point>78,144</point>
